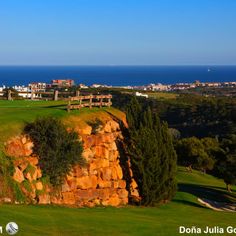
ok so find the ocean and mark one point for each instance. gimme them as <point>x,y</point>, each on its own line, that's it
<point>116,75</point>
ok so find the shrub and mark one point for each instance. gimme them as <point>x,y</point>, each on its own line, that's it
<point>58,149</point>
<point>6,172</point>
<point>95,125</point>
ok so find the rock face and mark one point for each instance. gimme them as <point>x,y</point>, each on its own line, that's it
<point>100,182</point>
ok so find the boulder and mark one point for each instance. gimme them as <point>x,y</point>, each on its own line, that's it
<point>114,126</point>
<point>44,199</point>
<point>86,130</point>
<point>56,200</point>
<point>68,198</point>
<point>78,172</point>
<point>123,193</point>
<point>115,184</point>
<point>18,175</point>
<point>113,155</point>
<point>23,166</point>
<point>124,201</point>
<point>113,173</point>
<point>121,183</point>
<point>28,176</point>
<point>65,187</point>
<point>39,185</point>
<point>119,171</point>
<point>135,193</point>
<point>112,146</point>
<point>86,195</point>
<point>104,193</point>
<point>15,148</point>
<point>28,148</point>
<point>133,184</point>
<point>24,139</point>
<point>72,183</point>
<point>100,152</point>
<point>39,173</point>
<point>98,163</point>
<point>111,126</point>
<point>114,201</point>
<point>33,160</point>
<point>34,175</point>
<point>87,182</point>
<point>104,183</point>
<point>31,175</point>
<point>106,174</point>
<point>88,154</point>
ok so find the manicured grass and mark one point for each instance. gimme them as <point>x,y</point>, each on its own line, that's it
<point>15,114</point>
<point>162,95</point>
<point>164,220</point>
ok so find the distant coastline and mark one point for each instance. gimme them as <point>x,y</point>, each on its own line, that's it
<point>117,75</point>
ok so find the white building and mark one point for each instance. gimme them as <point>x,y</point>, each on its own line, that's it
<point>158,87</point>
<point>138,94</point>
<point>35,87</point>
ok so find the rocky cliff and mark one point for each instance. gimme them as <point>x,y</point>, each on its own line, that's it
<point>105,180</point>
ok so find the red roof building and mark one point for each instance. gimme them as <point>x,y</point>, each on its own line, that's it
<point>63,82</point>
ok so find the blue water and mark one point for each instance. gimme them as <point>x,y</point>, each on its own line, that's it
<point>116,75</point>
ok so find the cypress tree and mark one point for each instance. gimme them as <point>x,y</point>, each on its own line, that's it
<point>152,155</point>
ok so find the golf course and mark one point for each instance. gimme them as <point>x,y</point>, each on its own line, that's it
<point>184,210</point>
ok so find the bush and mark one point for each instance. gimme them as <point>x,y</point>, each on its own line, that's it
<point>58,149</point>
<point>95,125</point>
<point>6,172</point>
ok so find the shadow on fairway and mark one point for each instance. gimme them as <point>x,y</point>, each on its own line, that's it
<point>62,107</point>
<point>209,192</point>
<point>189,203</point>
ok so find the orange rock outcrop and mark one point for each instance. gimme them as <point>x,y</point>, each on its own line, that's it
<point>100,182</point>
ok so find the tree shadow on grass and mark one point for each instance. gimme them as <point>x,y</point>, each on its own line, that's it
<point>208,192</point>
<point>189,203</point>
<point>233,193</point>
<point>56,106</point>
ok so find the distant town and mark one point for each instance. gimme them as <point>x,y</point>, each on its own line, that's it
<point>66,84</point>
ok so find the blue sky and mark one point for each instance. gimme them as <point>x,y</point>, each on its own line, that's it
<point>117,32</point>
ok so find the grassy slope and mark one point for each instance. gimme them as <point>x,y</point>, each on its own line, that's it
<point>165,220</point>
<point>14,114</point>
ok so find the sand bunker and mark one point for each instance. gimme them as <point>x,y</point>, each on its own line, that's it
<point>217,206</point>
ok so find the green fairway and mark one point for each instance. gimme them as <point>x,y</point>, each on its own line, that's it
<point>163,220</point>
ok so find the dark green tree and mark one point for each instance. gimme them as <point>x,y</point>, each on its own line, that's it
<point>192,153</point>
<point>225,166</point>
<point>58,149</point>
<point>152,154</point>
